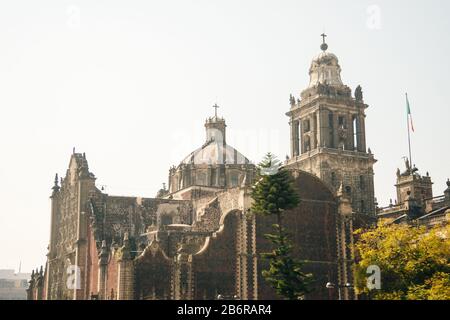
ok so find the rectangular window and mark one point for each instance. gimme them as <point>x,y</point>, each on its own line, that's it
<point>330,120</point>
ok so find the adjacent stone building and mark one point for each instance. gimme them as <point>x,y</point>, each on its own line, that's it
<point>415,202</point>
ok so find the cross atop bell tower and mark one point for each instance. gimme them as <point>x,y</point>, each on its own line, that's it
<point>323,46</point>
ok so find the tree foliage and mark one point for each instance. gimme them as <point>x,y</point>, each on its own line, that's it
<point>414,261</point>
<point>274,193</point>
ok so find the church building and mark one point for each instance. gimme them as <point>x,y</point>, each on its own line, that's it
<point>198,239</point>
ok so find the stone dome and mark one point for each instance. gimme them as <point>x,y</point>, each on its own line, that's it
<point>215,152</point>
<point>325,69</point>
<point>215,164</point>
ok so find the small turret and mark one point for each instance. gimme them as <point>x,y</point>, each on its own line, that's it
<point>215,128</point>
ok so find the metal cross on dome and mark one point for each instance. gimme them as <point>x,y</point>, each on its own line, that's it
<point>323,46</point>
<point>215,106</point>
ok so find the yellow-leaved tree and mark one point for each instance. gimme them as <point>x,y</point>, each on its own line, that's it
<point>414,261</point>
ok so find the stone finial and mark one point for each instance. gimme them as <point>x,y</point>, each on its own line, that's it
<point>407,165</point>
<point>448,183</point>
<point>358,93</point>
<point>398,172</point>
<point>55,187</point>
<point>292,100</point>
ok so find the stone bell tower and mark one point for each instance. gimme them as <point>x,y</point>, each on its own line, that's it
<point>328,136</point>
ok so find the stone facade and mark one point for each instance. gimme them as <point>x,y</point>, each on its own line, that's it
<point>196,242</point>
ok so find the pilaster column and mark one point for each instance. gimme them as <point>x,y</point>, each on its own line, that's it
<point>102,271</point>
<point>363,133</point>
<point>319,134</point>
<point>291,124</point>
<point>335,131</point>
<point>313,121</point>
<point>125,287</point>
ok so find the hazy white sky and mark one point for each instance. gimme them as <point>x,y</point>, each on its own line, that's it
<point>131,82</point>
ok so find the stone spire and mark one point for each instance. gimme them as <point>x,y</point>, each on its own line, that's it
<point>55,187</point>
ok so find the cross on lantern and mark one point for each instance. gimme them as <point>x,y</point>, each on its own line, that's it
<point>215,109</point>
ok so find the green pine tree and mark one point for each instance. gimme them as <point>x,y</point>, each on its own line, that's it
<point>273,193</point>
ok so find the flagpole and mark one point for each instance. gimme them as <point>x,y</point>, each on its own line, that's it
<point>409,134</point>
